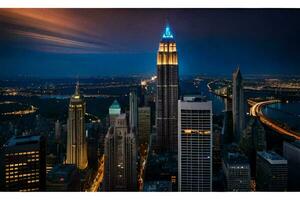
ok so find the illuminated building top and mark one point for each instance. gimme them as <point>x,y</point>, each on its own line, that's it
<point>167,34</point>
<point>167,51</point>
<point>115,108</point>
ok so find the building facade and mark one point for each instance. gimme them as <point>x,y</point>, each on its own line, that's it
<point>195,146</point>
<point>291,152</point>
<point>271,172</point>
<point>167,93</point>
<point>120,157</point>
<point>144,124</point>
<point>63,178</point>
<point>237,172</point>
<point>25,163</point>
<point>238,113</point>
<point>76,139</point>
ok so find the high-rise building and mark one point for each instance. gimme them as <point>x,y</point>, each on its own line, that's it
<point>238,114</point>
<point>144,125</point>
<point>114,111</point>
<point>271,172</point>
<point>57,131</point>
<point>63,178</point>
<point>25,163</point>
<point>167,93</point>
<point>76,140</point>
<point>253,140</point>
<point>133,111</point>
<point>195,145</point>
<point>120,157</point>
<point>228,100</point>
<point>58,139</point>
<point>291,151</point>
<point>237,172</point>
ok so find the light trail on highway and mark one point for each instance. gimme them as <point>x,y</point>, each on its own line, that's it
<point>98,178</point>
<point>256,111</point>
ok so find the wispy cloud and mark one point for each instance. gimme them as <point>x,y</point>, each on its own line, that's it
<point>55,31</point>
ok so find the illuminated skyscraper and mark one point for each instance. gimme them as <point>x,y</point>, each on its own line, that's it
<point>195,145</point>
<point>167,93</point>
<point>25,163</point>
<point>120,157</point>
<point>238,114</point>
<point>76,141</point>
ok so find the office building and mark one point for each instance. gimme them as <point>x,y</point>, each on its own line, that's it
<point>63,178</point>
<point>238,113</point>
<point>271,172</point>
<point>237,172</point>
<point>167,93</point>
<point>194,145</point>
<point>291,152</point>
<point>120,157</point>
<point>144,125</point>
<point>25,163</point>
<point>76,140</point>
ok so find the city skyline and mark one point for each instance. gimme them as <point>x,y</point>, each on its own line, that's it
<point>76,42</point>
<point>158,132</point>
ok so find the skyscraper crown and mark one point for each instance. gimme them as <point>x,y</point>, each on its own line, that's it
<point>167,34</point>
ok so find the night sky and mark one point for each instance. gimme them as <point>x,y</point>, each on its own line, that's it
<point>105,42</point>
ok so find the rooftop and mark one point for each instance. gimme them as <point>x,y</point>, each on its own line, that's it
<point>155,186</point>
<point>272,157</point>
<point>236,159</point>
<point>23,140</point>
<point>115,105</point>
<point>61,173</point>
<point>296,143</point>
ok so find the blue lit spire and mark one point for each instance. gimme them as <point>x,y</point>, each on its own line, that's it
<point>168,34</point>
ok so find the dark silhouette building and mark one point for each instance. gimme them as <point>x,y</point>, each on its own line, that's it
<point>63,178</point>
<point>237,172</point>
<point>238,113</point>
<point>291,151</point>
<point>271,172</point>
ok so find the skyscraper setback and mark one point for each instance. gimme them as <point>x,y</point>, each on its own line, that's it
<point>76,142</point>
<point>238,114</point>
<point>167,93</point>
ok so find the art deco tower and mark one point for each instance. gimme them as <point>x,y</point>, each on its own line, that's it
<point>120,157</point>
<point>238,113</point>
<point>167,93</point>
<point>76,143</point>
